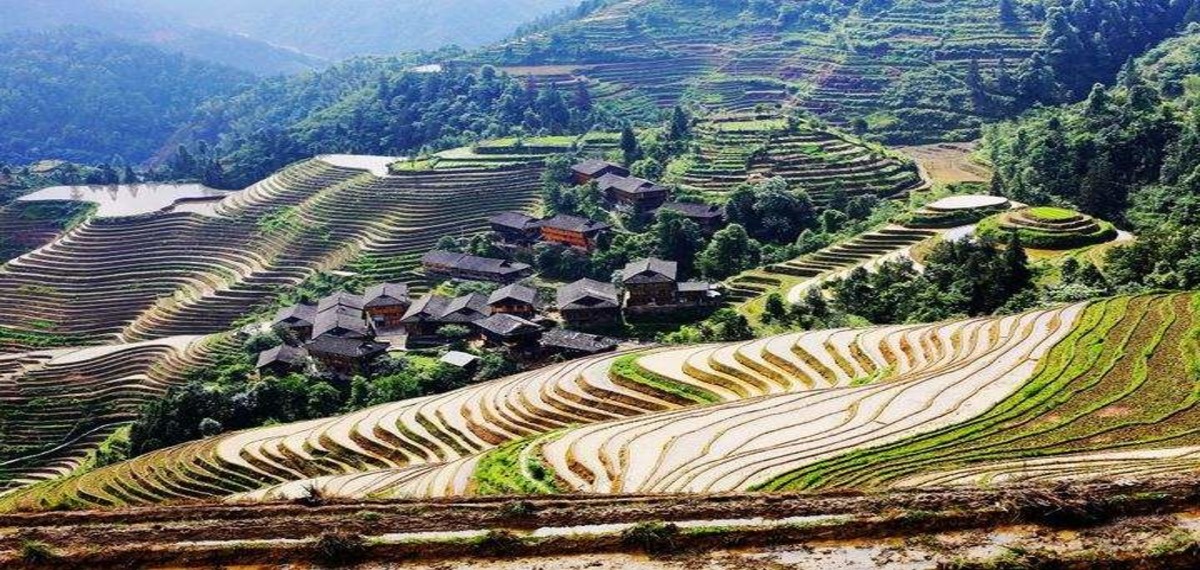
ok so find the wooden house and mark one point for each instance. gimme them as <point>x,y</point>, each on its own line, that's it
<point>631,191</point>
<point>282,360</point>
<point>574,344</point>
<point>516,228</point>
<point>650,282</point>
<point>385,304</point>
<point>589,302</point>
<point>710,218</point>
<point>515,299</point>
<point>454,265</point>
<point>345,357</point>
<point>503,329</point>
<point>592,169</point>
<point>573,231</point>
<point>295,321</point>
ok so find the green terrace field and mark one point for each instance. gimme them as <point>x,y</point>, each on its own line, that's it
<point>736,148</point>
<point>510,151</point>
<point>1087,390</point>
<point>899,65</point>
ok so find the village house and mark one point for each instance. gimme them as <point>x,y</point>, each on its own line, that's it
<point>503,329</point>
<point>282,360</point>
<point>652,285</point>
<point>637,193</point>
<point>466,309</point>
<point>423,318</point>
<point>516,228</point>
<point>340,322</point>
<point>345,357</point>
<point>650,281</point>
<point>592,169</point>
<point>343,300</point>
<point>574,344</point>
<point>589,302</point>
<point>515,299</point>
<point>710,218</point>
<point>295,321</point>
<point>385,304</point>
<point>454,265</point>
<point>573,231</point>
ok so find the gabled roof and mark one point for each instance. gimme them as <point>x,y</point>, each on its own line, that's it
<point>466,262</point>
<point>574,224</point>
<point>386,295</point>
<point>466,309</point>
<point>349,347</point>
<point>628,184</point>
<point>591,167</point>
<point>515,292</point>
<point>342,299</point>
<point>281,354</point>
<point>514,220</point>
<point>504,324</point>
<point>578,341</point>
<point>588,293</point>
<point>345,318</point>
<point>429,307</point>
<point>296,314</point>
<point>458,358</point>
<point>693,210</point>
<point>649,270</point>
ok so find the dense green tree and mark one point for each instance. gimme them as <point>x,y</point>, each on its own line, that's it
<point>730,252</point>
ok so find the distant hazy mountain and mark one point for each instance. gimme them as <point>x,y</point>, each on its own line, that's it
<point>78,95</point>
<point>150,27</point>
<point>340,28</point>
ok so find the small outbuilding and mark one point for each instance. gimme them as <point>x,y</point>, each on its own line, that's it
<point>282,360</point>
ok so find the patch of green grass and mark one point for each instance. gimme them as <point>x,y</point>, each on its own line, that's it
<point>515,469</point>
<point>627,367</point>
<point>1052,214</point>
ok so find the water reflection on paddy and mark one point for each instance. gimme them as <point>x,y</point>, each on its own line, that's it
<point>131,199</point>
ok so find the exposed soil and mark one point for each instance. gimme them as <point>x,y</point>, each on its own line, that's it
<point>948,163</point>
<point>906,529</point>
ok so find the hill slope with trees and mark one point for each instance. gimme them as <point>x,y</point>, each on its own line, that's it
<point>78,95</point>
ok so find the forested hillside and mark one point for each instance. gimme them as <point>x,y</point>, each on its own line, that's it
<point>142,26</point>
<point>902,70</point>
<point>78,95</point>
<point>344,28</point>
<point>380,106</point>
<point>1130,152</point>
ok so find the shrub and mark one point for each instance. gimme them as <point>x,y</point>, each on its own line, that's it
<point>340,548</point>
<point>498,543</point>
<point>652,537</point>
<point>37,552</point>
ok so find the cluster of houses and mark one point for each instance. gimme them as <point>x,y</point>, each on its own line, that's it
<point>647,287</point>
<point>343,333</point>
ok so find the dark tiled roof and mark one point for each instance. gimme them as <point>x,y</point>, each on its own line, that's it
<point>350,347</point>
<point>473,263</point>
<point>604,294</point>
<point>693,210</point>
<point>466,309</point>
<point>296,313</point>
<point>344,318</point>
<point>385,295</point>
<point>514,220</point>
<point>650,270</point>
<point>577,341</point>
<point>504,325</point>
<point>429,307</point>
<point>628,184</point>
<point>515,292</point>
<point>591,166</point>
<point>342,299</point>
<point>282,353</point>
<point>574,224</point>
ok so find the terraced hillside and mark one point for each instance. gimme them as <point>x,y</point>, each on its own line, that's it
<point>199,268</point>
<point>739,147</point>
<point>900,65</point>
<point>1049,228</point>
<point>57,406</point>
<point>742,416</point>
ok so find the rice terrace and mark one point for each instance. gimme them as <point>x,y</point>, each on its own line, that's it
<point>623,284</point>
